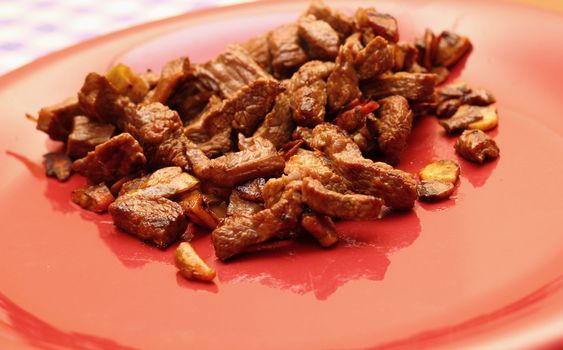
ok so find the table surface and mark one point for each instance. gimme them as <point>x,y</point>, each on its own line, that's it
<point>33,28</point>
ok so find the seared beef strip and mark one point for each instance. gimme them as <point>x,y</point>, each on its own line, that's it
<point>476,146</point>
<point>412,86</point>
<point>287,54</point>
<point>252,190</point>
<point>321,40</point>
<point>342,84</point>
<point>58,165</point>
<point>86,135</point>
<point>394,123</point>
<point>56,120</point>
<point>94,198</point>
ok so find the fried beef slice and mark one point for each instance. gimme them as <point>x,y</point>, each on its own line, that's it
<point>340,22</point>
<point>56,121</point>
<point>86,135</point>
<point>316,166</point>
<point>376,58</point>
<point>476,146</point>
<point>320,39</point>
<point>397,188</point>
<point>342,84</point>
<point>229,72</point>
<point>285,50</point>
<point>110,161</point>
<point>278,123</point>
<point>157,220</point>
<point>252,190</point>
<point>412,86</point>
<point>241,206</point>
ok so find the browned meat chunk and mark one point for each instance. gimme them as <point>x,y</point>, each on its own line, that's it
<point>252,190</point>
<point>100,101</point>
<point>171,152</point>
<point>447,108</point>
<point>321,227</point>
<point>320,39</point>
<point>464,116</point>
<point>94,198</point>
<point>375,59</point>
<point>374,23</point>
<point>86,135</point>
<point>287,54</point>
<point>455,90</point>
<point>394,125</point>
<point>343,24</point>
<point>308,104</point>
<point>56,120</point>
<point>405,55</point>
<point>278,123</point>
<point>309,73</point>
<point>197,209</point>
<point>153,219</point>
<point>478,97</point>
<point>173,73</point>
<point>241,206</point>
<point>259,159</point>
<point>450,48</point>
<point>153,123</point>
<point>343,206</point>
<point>258,48</point>
<point>342,84</point>
<point>58,165</point>
<point>412,86</point>
<point>429,49</point>
<point>119,156</point>
<point>315,165</point>
<point>435,190</point>
<point>395,187</point>
<point>476,146</point>
<point>165,182</point>
<point>229,72</point>
<point>355,118</point>
<point>238,232</point>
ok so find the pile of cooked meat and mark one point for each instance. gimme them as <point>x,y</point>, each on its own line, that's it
<point>275,138</point>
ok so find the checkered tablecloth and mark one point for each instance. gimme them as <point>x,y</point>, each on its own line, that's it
<point>33,28</point>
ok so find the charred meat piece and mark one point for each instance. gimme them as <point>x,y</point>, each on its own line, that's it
<point>119,156</point>
<point>375,59</point>
<point>259,159</point>
<point>94,198</point>
<point>173,73</point>
<point>191,265</point>
<point>435,190</point>
<point>412,86</point>
<point>252,190</point>
<point>450,48</point>
<point>152,219</point>
<point>56,120</point>
<point>476,146</point>
<point>338,205</point>
<point>343,24</point>
<point>394,123</point>
<point>287,54</point>
<point>165,182</point>
<point>395,187</point>
<point>374,23</point>
<point>342,84</point>
<point>241,206</point>
<point>229,72</point>
<point>238,232</point>
<point>320,39</point>
<point>101,101</point>
<point>86,135</point>
<point>258,48</point>
<point>278,123</point>
<point>321,227</point>
<point>58,165</point>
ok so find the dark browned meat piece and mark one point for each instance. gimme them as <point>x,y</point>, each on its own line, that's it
<point>321,227</point>
<point>478,97</point>
<point>165,182</point>
<point>58,165</point>
<point>412,86</point>
<point>343,206</point>
<point>394,125</point>
<point>259,159</point>
<point>241,206</point>
<point>100,101</point>
<point>343,24</point>
<point>94,198</point>
<point>252,190</point>
<point>374,59</point>
<point>364,138</point>
<point>278,123</point>
<point>374,23</point>
<point>342,84</point>
<point>450,48</point>
<point>435,190</point>
<point>355,118</point>
<point>56,120</point>
<point>429,49</point>
<point>405,55</point>
<point>153,123</point>
<point>119,156</point>
<point>173,73</point>
<point>447,108</point>
<point>320,39</point>
<point>287,54</point>
<point>395,187</point>
<point>315,165</point>
<point>308,104</point>
<point>86,135</point>
<point>171,152</point>
<point>476,146</point>
<point>153,219</point>
<point>258,48</point>
<point>455,90</point>
<point>229,72</point>
<point>309,73</point>
<point>238,232</point>
<point>460,121</point>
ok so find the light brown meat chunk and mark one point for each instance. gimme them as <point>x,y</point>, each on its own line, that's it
<point>476,146</point>
<point>252,190</point>
<point>450,48</point>
<point>110,161</point>
<point>56,120</point>
<point>58,165</point>
<point>86,135</point>
<point>375,59</point>
<point>95,198</point>
<point>394,125</point>
<point>342,84</point>
<point>152,219</point>
<point>308,104</point>
<point>315,165</point>
<point>374,23</point>
<point>321,40</point>
<point>278,123</point>
<point>412,86</point>
<point>241,206</point>
<point>342,23</point>
<point>287,55</point>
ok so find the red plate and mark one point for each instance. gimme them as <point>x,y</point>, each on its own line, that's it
<point>483,269</point>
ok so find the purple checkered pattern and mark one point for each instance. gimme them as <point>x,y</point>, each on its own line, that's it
<point>33,28</point>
